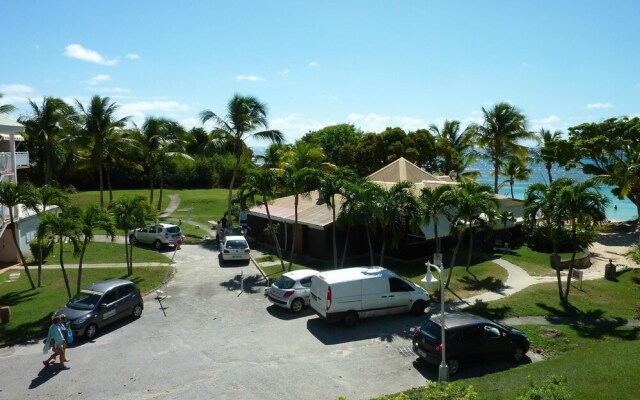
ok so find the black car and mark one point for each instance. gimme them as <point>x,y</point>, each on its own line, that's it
<point>101,304</point>
<point>467,336</point>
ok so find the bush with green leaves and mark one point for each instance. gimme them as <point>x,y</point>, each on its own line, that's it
<point>553,388</point>
<point>47,247</point>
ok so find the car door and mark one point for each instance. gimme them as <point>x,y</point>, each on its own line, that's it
<point>400,296</point>
<point>108,306</point>
<point>305,291</point>
<point>125,303</point>
<point>494,341</point>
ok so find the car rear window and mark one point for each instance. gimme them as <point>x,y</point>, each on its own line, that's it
<point>431,330</point>
<point>284,282</point>
<point>173,229</point>
<point>237,244</point>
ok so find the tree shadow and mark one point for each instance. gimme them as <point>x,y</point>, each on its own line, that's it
<point>13,298</point>
<point>489,283</point>
<point>250,283</point>
<point>494,313</point>
<point>385,328</point>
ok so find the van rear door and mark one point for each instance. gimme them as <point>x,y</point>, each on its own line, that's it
<point>318,299</point>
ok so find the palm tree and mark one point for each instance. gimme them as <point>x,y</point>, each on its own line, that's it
<point>245,114</point>
<point>357,210</point>
<point>473,204</point>
<point>433,204</point>
<point>264,183</point>
<point>45,129</point>
<point>12,195</point>
<point>333,184</point>
<point>275,156</point>
<point>515,169</point>
<point>548,151</point>
<point>6,108</point>
<point>123,152</point>
<point>39,200</point>
<point>499,135</point>
<point>128,213</point>
<point>159,139</point>
<point>65,224</point>
<point>396,213</point>
<point>582,204</point>
<point>92,217</point>
<point>98,122</point>
<point>456,147</point>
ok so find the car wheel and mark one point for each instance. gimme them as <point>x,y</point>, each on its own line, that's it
<point>297,305</point>
<point>132,239</point>
<point>350,319</point>
<point>518,354</point>
<point>91,331</point>
<point>454,366</point>
<point>137,311</point>
<point>418,308</point>
<point>158,245</point>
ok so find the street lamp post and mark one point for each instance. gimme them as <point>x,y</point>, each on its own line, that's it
<point>429,280</point>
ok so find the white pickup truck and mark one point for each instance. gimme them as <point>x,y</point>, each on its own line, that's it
<point>160,235</point>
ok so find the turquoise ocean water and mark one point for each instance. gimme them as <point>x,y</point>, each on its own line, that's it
<point>618,210</point>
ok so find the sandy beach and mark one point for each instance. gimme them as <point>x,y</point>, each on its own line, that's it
<point>612,245</point>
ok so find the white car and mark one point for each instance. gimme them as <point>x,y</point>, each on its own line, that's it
<point>292,289</point>
<point>235,248</point>
<point>159,235</point>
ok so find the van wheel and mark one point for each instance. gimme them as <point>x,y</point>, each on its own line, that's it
<point>350,319</point>
<point>418,308</point>
<point>297,305</point>
<point>158,245</point>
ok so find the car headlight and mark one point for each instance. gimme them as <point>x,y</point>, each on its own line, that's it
<point>81,320</point>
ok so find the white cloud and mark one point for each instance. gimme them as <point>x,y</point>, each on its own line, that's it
<point>373,122</point>
<point>249,78</point>
<point>116,90</point>
<point>16,93</point>
<point>77,51</point>
<point>313,64</point>
<point>190,122</point>
<point>284,72</point>
<point>98,78</point>
<point>132,56</point>
<point>141,109</point>
<point>293,126</point>
<point>592,106</point>
<point>551,123</point>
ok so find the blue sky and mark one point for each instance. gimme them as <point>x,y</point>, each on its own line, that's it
<point>315,63</point>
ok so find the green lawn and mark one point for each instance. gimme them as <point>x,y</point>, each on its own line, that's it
<point>105,252</point>
<point>31,310</point>
<point>598,299</point>
<point>93,197</point>
<point>534,262</point>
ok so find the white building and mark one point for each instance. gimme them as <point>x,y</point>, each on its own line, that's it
<point>10,161</point>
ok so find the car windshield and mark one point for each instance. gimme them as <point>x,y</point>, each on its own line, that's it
<point>236,244</point>
<point>173,229</point>
<point>234,230</point>
<point>284,282</point>
<point>85,300</point>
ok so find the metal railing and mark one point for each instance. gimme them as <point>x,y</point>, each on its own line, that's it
<point>22,161</point>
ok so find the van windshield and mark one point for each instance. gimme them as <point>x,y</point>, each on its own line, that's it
<point>284,282</point>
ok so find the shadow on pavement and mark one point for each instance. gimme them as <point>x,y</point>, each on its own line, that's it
<point>287,315</point>
<point>44,375</point>
<point>385,329</point>
<point>469,368</point>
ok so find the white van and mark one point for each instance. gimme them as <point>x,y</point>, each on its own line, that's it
<point>352,293</point>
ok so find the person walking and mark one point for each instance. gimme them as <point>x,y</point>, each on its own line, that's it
<point>64,329</point>
<point>55,341</point>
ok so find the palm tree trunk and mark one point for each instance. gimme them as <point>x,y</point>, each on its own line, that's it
<point>236,167</point>
<point>109,186</point>
<point>273,233</point>
<point>370,245</point>
<point>101,178</point>
<point>346,243</point>
<point>496,170</point>
<point>556,257</point>
<point>470,249</point>
<point>453,258</point>
<point>15,241</point>
<point>151,177</point>
<point>79,283</point>
<point>295,230</point>
<point>548,166</point>
<point>573,258</point>
<point>160,190</point>
<point>39,263</point>
<point>511,184</point>
<point>384,244</point>
<point>64,272</point>
<point>333,229</point>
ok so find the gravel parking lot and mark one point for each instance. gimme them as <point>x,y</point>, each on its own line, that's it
<point>209,340</point>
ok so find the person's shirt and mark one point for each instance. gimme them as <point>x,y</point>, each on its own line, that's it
<point>54,334</point>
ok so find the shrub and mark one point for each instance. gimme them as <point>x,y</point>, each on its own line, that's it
<point>449,391</point>
<point>539,240</point>
<point>634,253</point>
<point>47,247</point>
<point>554,388</point>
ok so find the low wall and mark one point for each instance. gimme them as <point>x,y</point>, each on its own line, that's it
<point>581,262</point>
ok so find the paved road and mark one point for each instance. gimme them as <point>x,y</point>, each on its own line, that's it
<point>211,341</point>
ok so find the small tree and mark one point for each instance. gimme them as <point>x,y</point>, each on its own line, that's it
<point>93,217</point>
<point>129,213</point>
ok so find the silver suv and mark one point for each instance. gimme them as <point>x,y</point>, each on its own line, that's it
<point>160,235</point>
